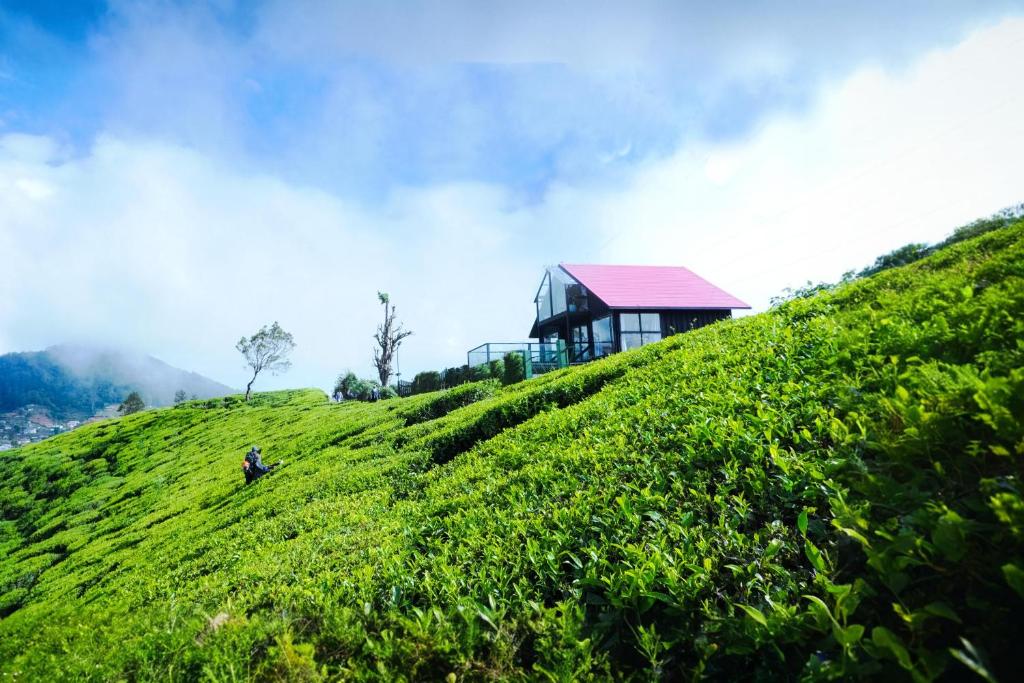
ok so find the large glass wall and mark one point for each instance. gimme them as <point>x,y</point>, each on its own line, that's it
<point>637,329</point>
<point>543,299</point>
<point>559,281</point>
<point>604,338</point>
<point>559,293</point>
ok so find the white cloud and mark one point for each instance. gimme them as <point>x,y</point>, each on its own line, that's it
<point>880,160</point>
<point>157,247</point>
<point>173,252</point>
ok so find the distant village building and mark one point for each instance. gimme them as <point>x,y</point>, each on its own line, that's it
<point>29,424</point>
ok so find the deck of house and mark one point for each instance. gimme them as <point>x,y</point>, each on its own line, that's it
<point>538,357</point>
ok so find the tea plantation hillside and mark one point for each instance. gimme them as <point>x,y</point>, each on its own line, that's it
<point>828,490</point>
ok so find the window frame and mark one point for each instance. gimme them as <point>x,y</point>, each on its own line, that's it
<point>628,338</point>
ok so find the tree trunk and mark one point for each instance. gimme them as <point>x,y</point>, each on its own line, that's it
<point>248,387</point>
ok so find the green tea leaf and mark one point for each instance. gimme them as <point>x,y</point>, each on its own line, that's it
<point>849,635</point>
<point>941,609</point>
<point>754,614</point>
<point>815,556</point>
<point>772,549</point>
<point>887,640</point>
<point>820,604</point>
<point>971,658</point>
<point>855,535</point>
<point>949,536</point>
<point>1014,576</point>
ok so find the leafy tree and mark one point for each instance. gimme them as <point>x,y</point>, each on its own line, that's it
<point>389,337</point>
<point>347,385</point>
<point>267,350</point>
<point>351,387</point>
<point>426,381</point>
<point>180,396</point>
<point>133,403</point>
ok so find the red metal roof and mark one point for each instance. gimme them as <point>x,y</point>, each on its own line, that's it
<point>651,287</point>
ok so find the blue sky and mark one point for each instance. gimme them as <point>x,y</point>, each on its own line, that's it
<point>360,100</point>
<point>175,174</point>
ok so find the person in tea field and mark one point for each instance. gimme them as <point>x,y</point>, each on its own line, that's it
<point>253,467</point>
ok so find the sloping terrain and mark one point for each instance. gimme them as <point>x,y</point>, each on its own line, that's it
<point>831,489</point>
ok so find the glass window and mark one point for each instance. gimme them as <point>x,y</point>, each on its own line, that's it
<point>603,336</point>
<point>559,282</point>
<point>576,297</point>
<point>580,343</point>
<point>640,322</point>
<point>631,341</point>
<point>544,299</point>
<point>637,329</point>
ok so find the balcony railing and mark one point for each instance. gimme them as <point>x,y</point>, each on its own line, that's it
<point>538,357</point>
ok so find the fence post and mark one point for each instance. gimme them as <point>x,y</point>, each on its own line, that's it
<point>528,362</point>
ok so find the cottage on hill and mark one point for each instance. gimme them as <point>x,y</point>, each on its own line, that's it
<point>597,310</point>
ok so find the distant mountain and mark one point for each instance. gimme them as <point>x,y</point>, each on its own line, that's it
<point>80,380</point>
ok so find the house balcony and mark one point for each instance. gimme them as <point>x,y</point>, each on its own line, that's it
<point>538,357</point>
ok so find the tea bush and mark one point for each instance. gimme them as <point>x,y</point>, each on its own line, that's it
<point>830,490</point>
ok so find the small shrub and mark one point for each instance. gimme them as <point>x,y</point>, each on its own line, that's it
<point>515,368</point>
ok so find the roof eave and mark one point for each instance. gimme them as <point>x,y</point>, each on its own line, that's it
<point>679,308</point>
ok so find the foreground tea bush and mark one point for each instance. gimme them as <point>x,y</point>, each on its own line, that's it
<point>829,490</point>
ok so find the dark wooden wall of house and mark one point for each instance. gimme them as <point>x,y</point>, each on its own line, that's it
<point>673,322</point>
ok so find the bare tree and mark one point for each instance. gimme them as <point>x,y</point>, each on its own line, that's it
<point>389,337</point>
<point>267,350</point>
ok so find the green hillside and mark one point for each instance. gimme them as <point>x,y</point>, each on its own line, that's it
<point>831,489</point>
